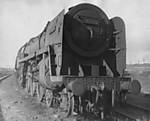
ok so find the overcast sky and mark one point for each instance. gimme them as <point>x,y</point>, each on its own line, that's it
<point>21,20</point>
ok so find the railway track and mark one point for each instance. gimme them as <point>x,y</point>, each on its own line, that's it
<point>140,101</point>
<point>4,77</point>
<point>137,108</point>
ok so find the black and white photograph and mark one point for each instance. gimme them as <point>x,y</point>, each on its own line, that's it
<point>74,60</point>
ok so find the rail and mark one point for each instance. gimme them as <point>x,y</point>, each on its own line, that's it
<point>4,77</point>
<point>133,109</point>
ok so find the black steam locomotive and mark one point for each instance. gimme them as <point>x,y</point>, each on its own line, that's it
<point>77,62</point>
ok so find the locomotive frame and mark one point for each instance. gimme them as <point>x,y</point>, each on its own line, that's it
<point>39,64</point>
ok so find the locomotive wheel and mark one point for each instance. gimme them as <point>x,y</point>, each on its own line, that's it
<point>49,97</point>
<point>73,105</point>
<point>40,92</point>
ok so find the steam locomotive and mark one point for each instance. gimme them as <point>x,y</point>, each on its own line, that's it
<point>78,62</point>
